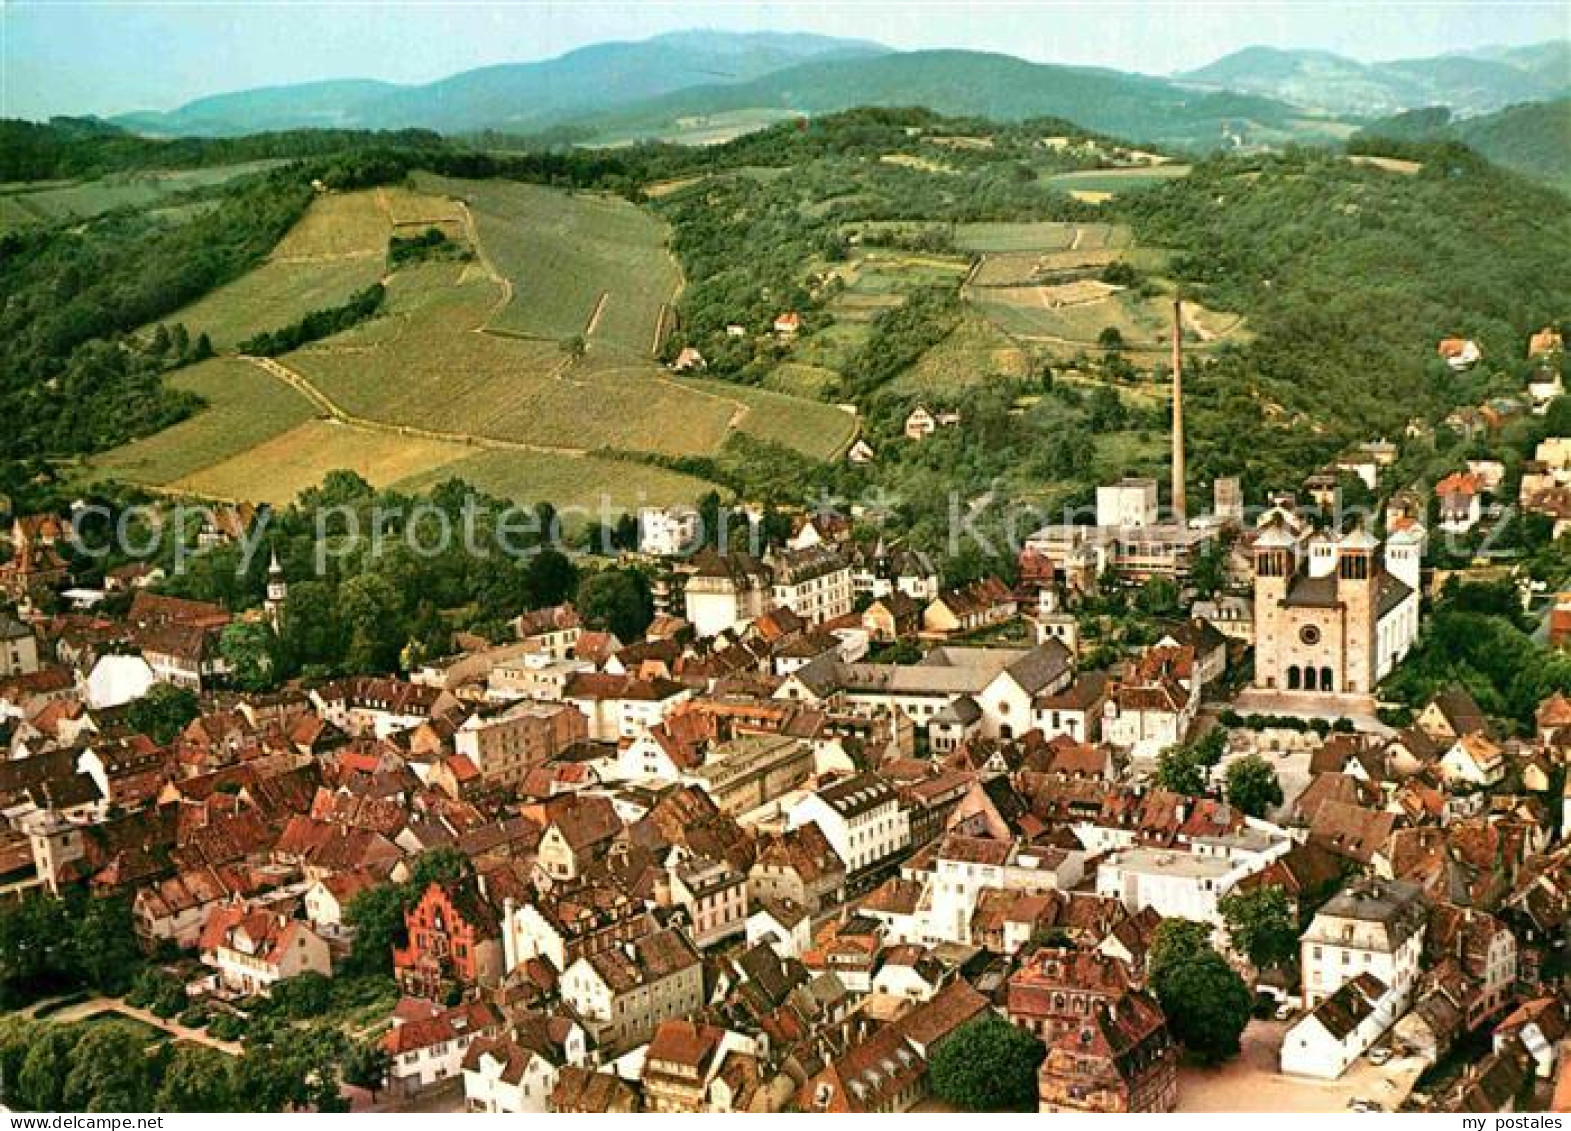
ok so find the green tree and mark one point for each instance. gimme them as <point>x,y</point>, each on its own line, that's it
<point>372,613</point>
<point>618,600</point>
<point>377,913</point>
<point>158,991</point>
<point>310,632</point>
<point>1176,941</point>
<point>1206,1002</point>
<point>1179,769</point>
<point>377,916</point>
<point>40,1085</point>
<point>1209,572</point>
<point>366,1065</point>
<point>36,949</point>
<point>438,866</point>
<point>549,579</point>
<point>163,712</point>
<point>197,1079</point>
<point>17,1034</point>
<point>988,1065</point>
<point>248,648</point>
<point>1261,924</point>
<point>1157,597</point>
<point>304,996</point>
<point>104,939</point>
<point>1252,786</point>
<point>110,1070</point>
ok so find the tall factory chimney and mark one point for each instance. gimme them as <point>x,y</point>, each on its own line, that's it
<point>1180,511</point>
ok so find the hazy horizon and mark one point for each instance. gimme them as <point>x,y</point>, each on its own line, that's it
<point>87,57</point>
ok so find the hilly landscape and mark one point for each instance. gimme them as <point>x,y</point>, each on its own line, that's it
<point>572,324</point>
<point>236,316</point>
<point>1137,107</point>
<point>1534,138</point>
<point>518,98</point>
<point>1468,84</point>
<point>704,87</point>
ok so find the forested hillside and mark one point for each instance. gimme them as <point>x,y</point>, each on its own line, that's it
<point>1533,139</point>
<point>1138,107</point>
<point>1349,276</point>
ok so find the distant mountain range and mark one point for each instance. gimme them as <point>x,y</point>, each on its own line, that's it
<point>514,97</point>
<point>1473,83</point>
<point>637,89</point>
<point>1137,107</point>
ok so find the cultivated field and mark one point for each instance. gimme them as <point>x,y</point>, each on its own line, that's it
<point>275,295</point>
<point>407,208</point>
<point>801,380</point>
<point>338,225</point>
<point>699,129</point>
<point>1038,284</point>
<point>1041,312</point>
<point>1072,317</point>
<point>1018,268</point>
<point>579,265</point>
<point>833,347</point>
<point>279,469</point>
<point>811,427</point>
<point>972,353</point>
<point>432,367</point>
<point>565,480</point>
<point>876,280</point>
<point>46,202</point>
<point>1114,181</point>
<point>245,408</point>
<point>338,247</point>
<point>1047,235</point>
<point>434,386</point>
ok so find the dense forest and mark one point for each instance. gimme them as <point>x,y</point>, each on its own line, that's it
<point>68,296</point>
<point>87,147</point>
<point>1533,138</point>
<point>1349,276</point>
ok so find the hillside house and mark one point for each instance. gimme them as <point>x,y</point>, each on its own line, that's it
<point>1374,927</point>
<point>689,360</point>
<point>724,591</point>
<point>668,532</point>
<point>552,631</point>
<point>980,605</point>
<point>502,1076</point>
<point>1459,353</point>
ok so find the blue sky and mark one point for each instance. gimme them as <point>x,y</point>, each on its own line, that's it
<point>108,56</point>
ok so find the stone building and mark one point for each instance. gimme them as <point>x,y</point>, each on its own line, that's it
<point>1333,613</point>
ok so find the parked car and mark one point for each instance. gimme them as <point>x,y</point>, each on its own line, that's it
<point>1379,1056</point>
<point>1284,1011</point>
<point>1363,1106</point>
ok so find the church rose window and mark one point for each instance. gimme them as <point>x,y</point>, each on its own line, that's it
<point>1309,634</point>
